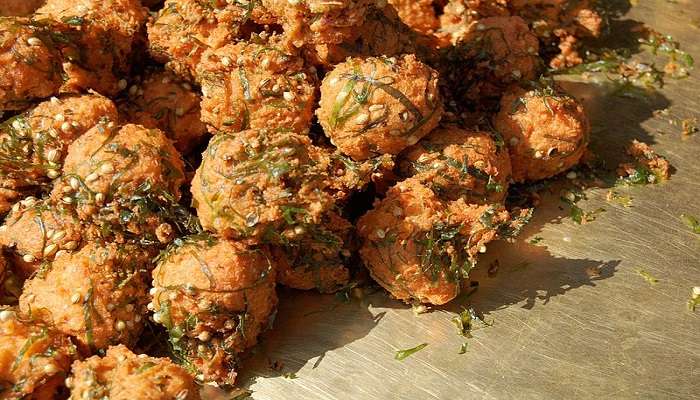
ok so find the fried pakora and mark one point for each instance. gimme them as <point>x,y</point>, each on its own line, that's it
<point>163,101</point>
<point>122,375</point>
<point>33,144</point>
<point>123,180</point>
<point>30,65</point>
<point>256,183</point>
<point>420,248</point>
<point>214,297</point>
<point>36,232</point>
<point>545,129</point>
<point>256,85</point>
<point>96,295</point>
<point>376,106</point>
<point>96,39</point>
<point>184,29</point>
<point>34,357</point>
<point>455,163</point>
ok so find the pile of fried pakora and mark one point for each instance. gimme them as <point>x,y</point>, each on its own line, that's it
<point>301,111</point>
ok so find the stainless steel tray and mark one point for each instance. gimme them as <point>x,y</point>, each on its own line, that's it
<point>572,316</point>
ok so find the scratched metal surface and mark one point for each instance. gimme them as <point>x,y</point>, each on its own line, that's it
<point>559,331</point>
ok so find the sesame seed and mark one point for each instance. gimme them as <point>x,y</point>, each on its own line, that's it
<point>75,298</point>
<point>74,183</point>
<point>571,175</point>
<point>288,96</point>
<point>380,233</point>
<point>28,258</point>
<point>50,250</point>
<point>696,292</point>
<point>265,62</point>
<point>153,291</point>
<point>120,325</point>
<point>376,107</point>
<point>58,236</point>
<point>55,100</point>
<point>67,200</point>
<point>299,230</point>
<point>50,368</point>
<point>157,317</point>
<point>150,306</point>
<point>482,249</point>
<point>204,336</point>
<point>72,245</point>
<point>186,86</point>
<point>362,119</point>
<point>68,382</point>
<point>53,155</point>
<point>133,89</point>
<point>92,177</point>
<point>59,117</point>
<point>99,198</point>
<point>225,61</point>
<point>6,315</point>
<point>66,127</point>
<point>538,154</point>
<point>122,84</point>
<point>106,168</point>
<point>33,41</point>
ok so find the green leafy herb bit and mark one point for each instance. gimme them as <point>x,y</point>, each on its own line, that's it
<point>403,354</point>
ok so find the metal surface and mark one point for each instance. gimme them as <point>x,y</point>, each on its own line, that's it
<point>572,317</point>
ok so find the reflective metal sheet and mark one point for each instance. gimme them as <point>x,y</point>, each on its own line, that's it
<point>572,316</point>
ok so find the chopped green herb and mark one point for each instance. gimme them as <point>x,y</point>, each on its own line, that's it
<point>647,277</point>
<point>694,300</point>
<point>623,200</point>
<point>536,240</point>
<point>463,348</point>
<point>692,223</point>
<point>402,354</point>
<point>290,375</point>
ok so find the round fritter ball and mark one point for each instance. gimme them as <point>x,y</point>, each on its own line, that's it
<point>121,179</point>
<point>122,375</point>
<point>30,68</point>
<point>382,33</point>
<point>34,358</point>
<point>215,297</point>
<point>255,184</point>
<point>36,231</point>
<point>456,163</point>
<point>546,131</point>
<point>506,46</point>
<point>458,15</point>
<point>314,256</point>
<point>319,21</point>
<point>19,8</point>
<point>418,14</point>
<point>96,295</point>
<point>420,248</point>
<point>184,29</point>
<point>33,144</point>
<point>162,101</point>
<point>376,106</point>
<point>98,38</point>
<point>256,85</point>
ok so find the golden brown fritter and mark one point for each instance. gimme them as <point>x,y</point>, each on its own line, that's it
<point>455,163</point>
<point>215,297</point>
<point>34,357</point>
<point>546,131</point>
<point>122,375</point>
<point>162,101</point>
<point>33,144</point>
<point>319,21</point>
<point>96,295</point>
<point>378,106</point>
<point>458,15</point>
<point>256,85</point>
<point>123,180</point>
<point>19,8</point>
<point>420,248</point>
<point>382,33</point>
<point>314,256</point>
<point>97,39</point>
<point>30,66</point>
<point>36,232</point>
<point>184,29</point>
<point>256,184</point>
<point>420,15</point>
